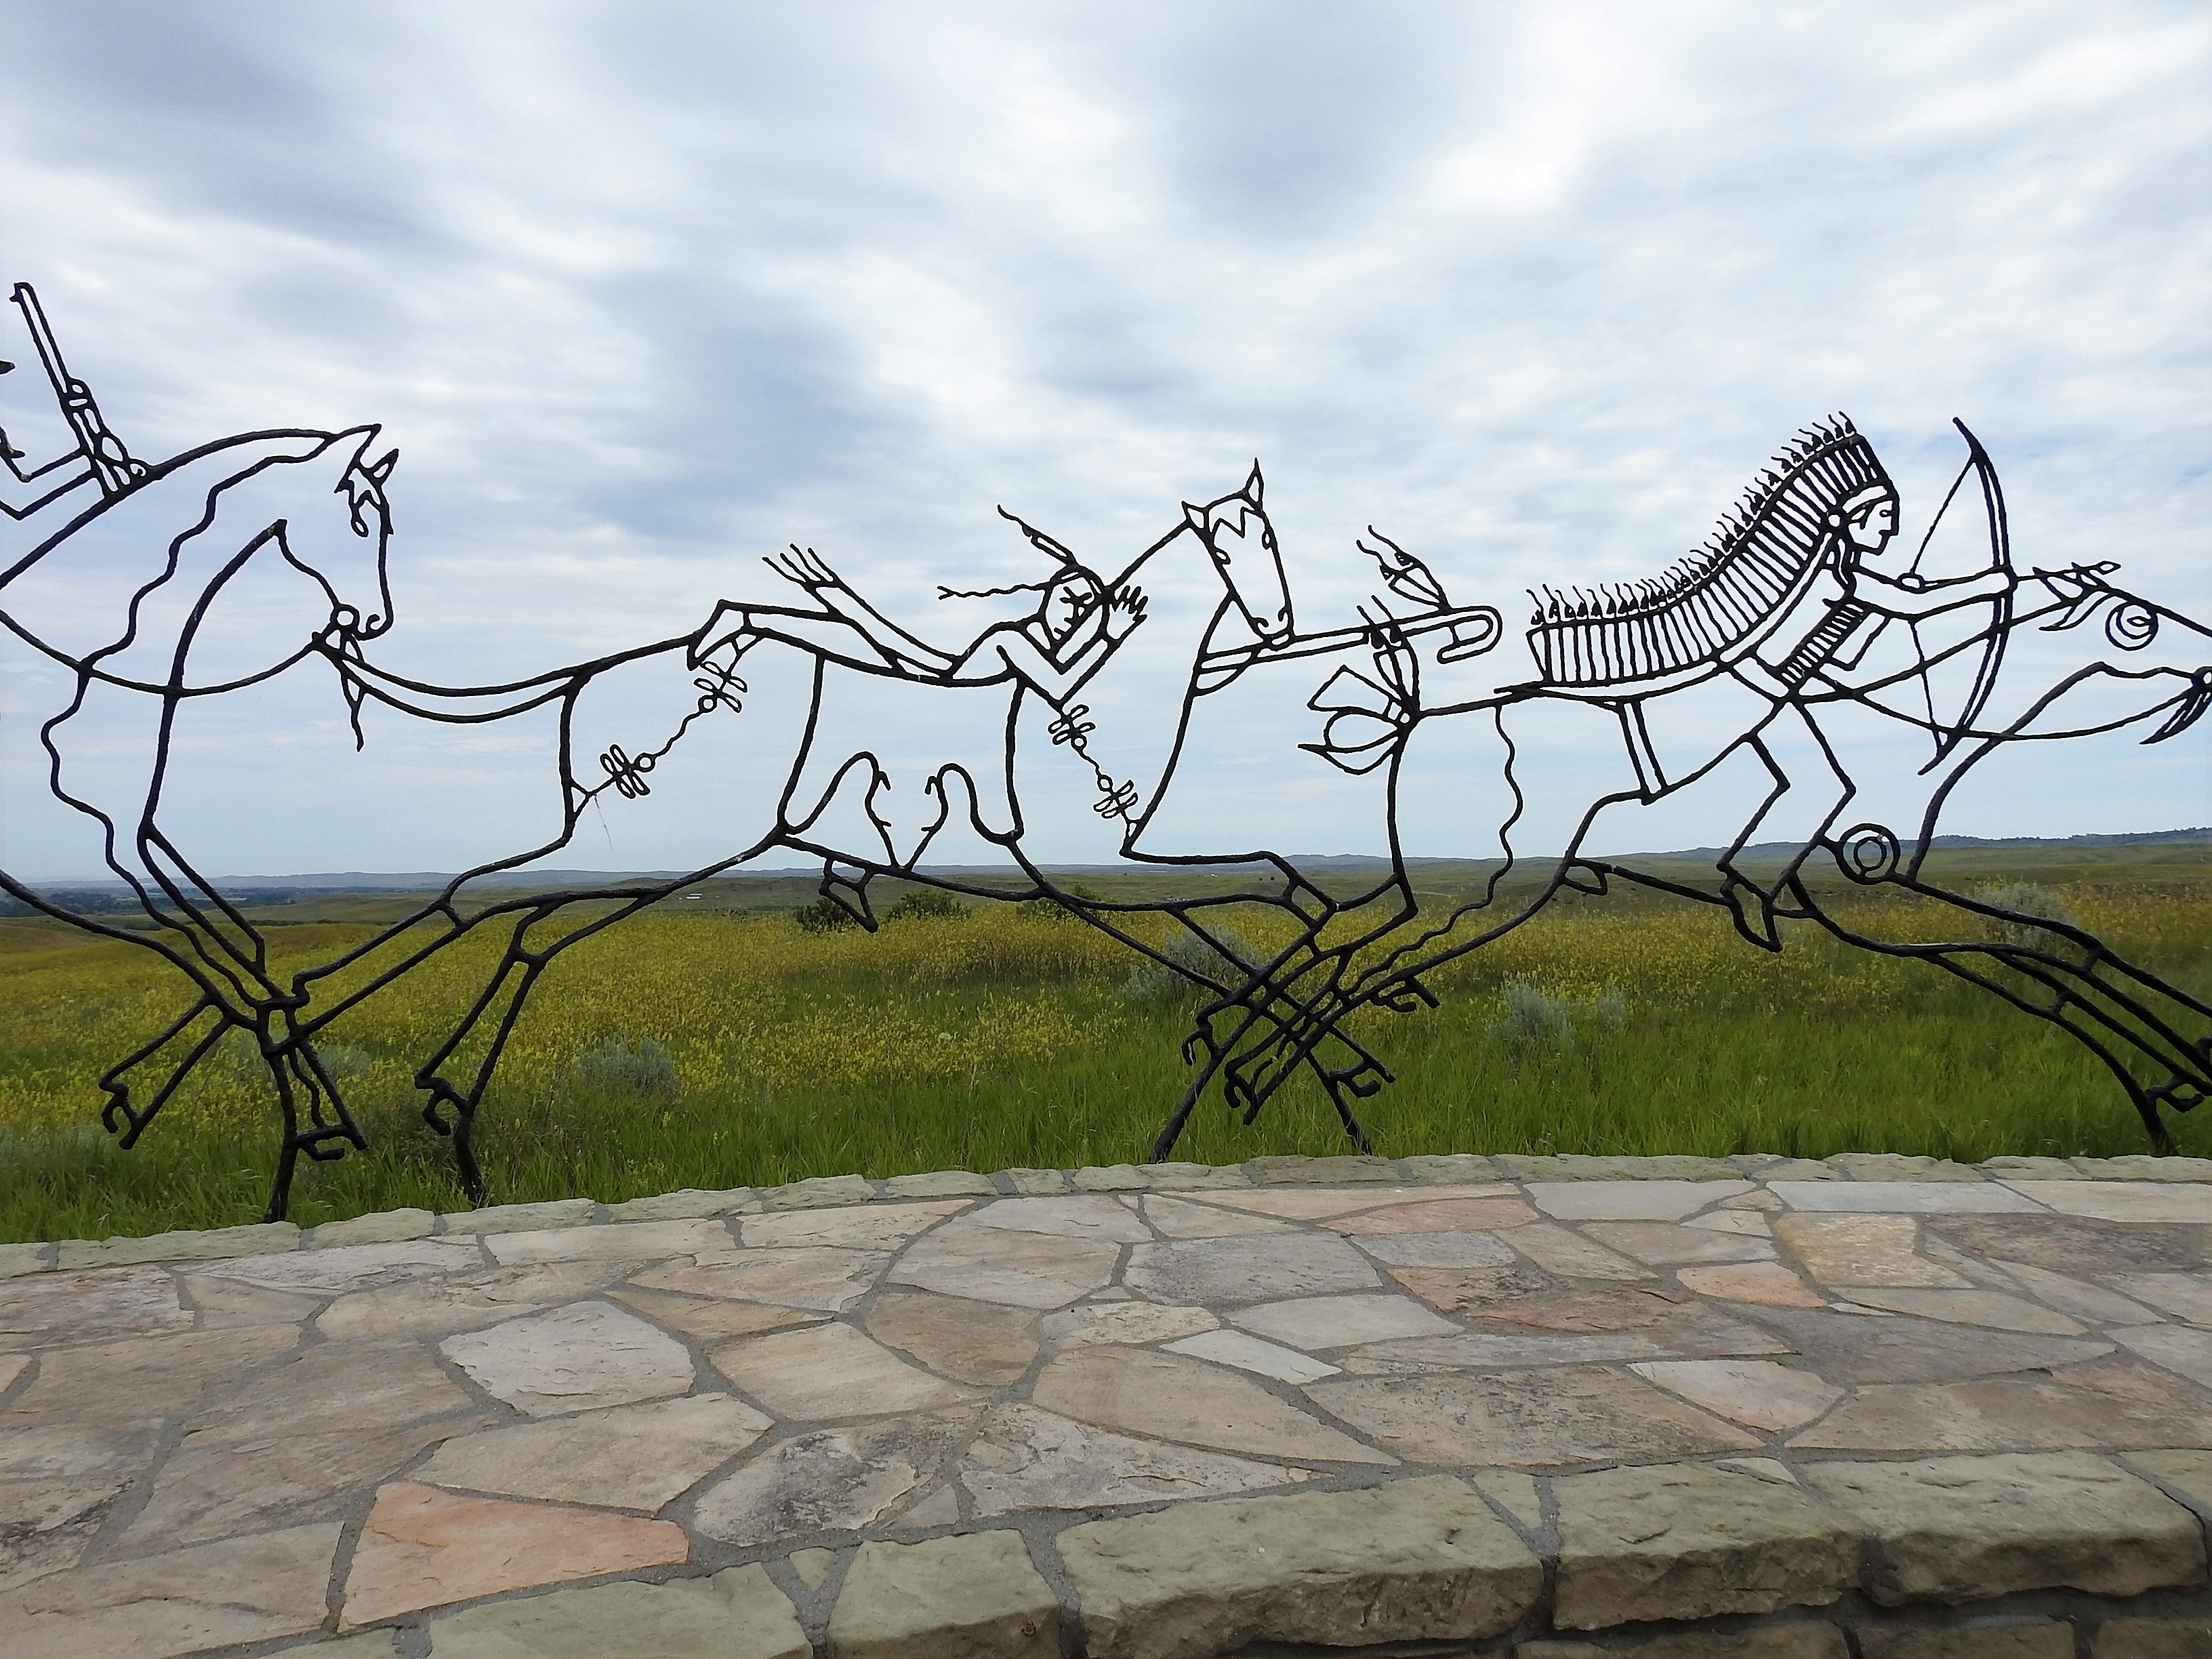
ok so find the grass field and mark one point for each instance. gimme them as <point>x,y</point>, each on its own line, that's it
<point>716,1045</point>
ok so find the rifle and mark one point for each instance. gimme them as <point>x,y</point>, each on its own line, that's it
<point>113,465</point>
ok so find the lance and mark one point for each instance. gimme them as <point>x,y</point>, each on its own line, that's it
<point>112,464</point>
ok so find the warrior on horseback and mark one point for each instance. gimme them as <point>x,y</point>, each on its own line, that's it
<point>1746,637</point>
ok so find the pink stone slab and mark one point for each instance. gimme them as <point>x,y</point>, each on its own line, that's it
<point>828,1373</point>
<point>45,1525</point>
<point>210,1595</point>
<point>1562,1250</point>
<point>462,1301</point>
<point>1630,1200</point>
<point>421,1548</point>
<point>146,1376</point>
<point>572,1360</point>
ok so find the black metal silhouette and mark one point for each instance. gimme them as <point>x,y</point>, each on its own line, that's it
<point>1761,635</point>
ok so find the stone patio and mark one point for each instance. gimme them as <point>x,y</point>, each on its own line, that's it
<point>1536,1406</point>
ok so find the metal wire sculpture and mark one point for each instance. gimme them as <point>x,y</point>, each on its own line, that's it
<point>1767,635</point>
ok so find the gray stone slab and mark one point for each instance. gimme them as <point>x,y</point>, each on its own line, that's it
<point>1692,1541</point>
<point>2181,1637</point>
<point>819,1192</point>
<point>1408,1561</point>
<point>1193,1177</point>
<point>210,1245</point>
<point>941,1183</point>
<point>383,1227</point>
<point>1908,1197</point>
<point>832,1479</point>
<point>1810,1640</point>
<point>691,1204</point>
<point>520,1217</point>
<point>1957,1529</point>
<point>1320,1171</point>
<point>1848,1348</point>
<point>1037,1181</point>
<point>1448,1170</point>
<point>572,1360</point>
<point>1235,1270</point>
<point>18,1260</point>
<point>1902,1166</point>
<point>977,1596</point>
<point>737,1614</point>
<point>2142,1166</point>
<point>1027,1459</point>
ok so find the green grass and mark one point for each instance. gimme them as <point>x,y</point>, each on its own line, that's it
<point>1008,1039</point>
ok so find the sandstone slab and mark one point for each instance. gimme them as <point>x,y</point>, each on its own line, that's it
<point>1296,1204</point>
<point>45,1525</point>
<point>941,1183</point>
<point>630,1457</point>
<point>984,1343</point>
<point>1633,1201</point>
<point>824,1278</point>
<point>1902,1166</point>
<point>335,1388</point>
<point>1168,1397</point>
<point>689,1204</point>
<point>227,1488</point>
<point>819,1192</point>
<point>145,1377</point>
<point>1176,1217</point>
<point>421,1548</point>
<point>2188,1351</point>
<point>1967,1528</point>
<point>209,1595</point>
<point>1862,1249</point>
<point>2010,1413</point>
<point>830,1372</point>
<point>89,1307</point>
<point>1562,1250</point>
<point>1235,1270</point>
<point>1767,1283</point>
<point>1668,1245</point>
<point>52,1450</point>
<point>572,1360</point>
<point>518,1218</point>
<point>1323,1322</point>
<point>620,1241</point>
<point>1902,1349</point>
<point>2122,1201</point>
<point>1091,1216</point>
<point>2152,1638</point>
<point>1127,1323</point>
<point>1539,1420</point>
<point>2185,1295</point>
<point>1321,1170</point>
<point>1693,1541</point>
<point>1021,1270</point>
<point>2045,1639</point>
<point>977,1596</point>
<point>832,1479</point>
<point>353,1266</point>
<point>2079,1245</point>
<point>1810,1640</point>
<point>1444,1215</point>
<point>209,1244</point>
<point>382,1227</point>
<point>704,1320</point>
<point>1915,1197</point>
<point>737,1614</point>
<point>1436,1250</point>
<point>1990,1309</point>
<point>1027,1459</point>
<point>228,1304</point>
<point>876,1227</point>
<point>1410,1561</point>
<point>464,1301</point>
<point>1245,1352</point>
<point>1756,1393</point>
<point>2084,1301</point>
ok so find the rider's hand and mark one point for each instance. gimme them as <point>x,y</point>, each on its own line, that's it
<point>1125,609</point>
<point>806,568</point>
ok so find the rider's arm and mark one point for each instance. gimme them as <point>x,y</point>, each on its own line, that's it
<point>1008,649</point>
<point>1910,596</point>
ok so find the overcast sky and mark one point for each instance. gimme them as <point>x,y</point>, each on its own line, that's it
<point>642,292</point>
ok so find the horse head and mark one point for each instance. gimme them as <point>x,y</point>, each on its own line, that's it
<point>1241,542</point>
<point>351,563</point>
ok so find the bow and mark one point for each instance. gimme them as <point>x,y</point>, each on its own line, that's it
<point>1979,467</point>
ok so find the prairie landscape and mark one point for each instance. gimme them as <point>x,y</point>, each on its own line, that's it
<point>716,1043</point>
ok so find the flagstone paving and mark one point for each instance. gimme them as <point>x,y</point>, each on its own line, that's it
<point>1056,1415</point>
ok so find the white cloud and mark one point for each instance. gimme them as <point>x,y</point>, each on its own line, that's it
<point>643,292</point>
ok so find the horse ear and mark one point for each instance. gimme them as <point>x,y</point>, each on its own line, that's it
<point>1197,517</point>
<point>1254,485</point>
<point>382,470</point>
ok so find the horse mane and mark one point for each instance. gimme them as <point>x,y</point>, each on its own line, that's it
<point>1745,573</point>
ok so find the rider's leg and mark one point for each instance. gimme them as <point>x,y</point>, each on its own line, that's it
<point>1810,790</point>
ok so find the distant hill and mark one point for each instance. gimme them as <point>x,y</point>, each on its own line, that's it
<point>273,889</point>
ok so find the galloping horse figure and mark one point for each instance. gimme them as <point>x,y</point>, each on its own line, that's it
<point>133,610</point>
<point>1771,640</point>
